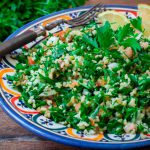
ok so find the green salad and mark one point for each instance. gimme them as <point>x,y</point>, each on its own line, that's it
<point>93,79</point>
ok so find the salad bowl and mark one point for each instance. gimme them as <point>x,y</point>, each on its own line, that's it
<point>47,128</point>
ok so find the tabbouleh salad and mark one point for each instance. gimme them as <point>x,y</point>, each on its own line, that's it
<point>94,79</point>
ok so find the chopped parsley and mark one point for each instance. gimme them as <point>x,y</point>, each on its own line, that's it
<point>94,79</point>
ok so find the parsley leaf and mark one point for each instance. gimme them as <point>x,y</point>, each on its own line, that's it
<point>145,83</point>
<point>90,41</point>
<point>145,58</point>
<point>124,32</point>
<point>131,42</point>
<point>59,51</point>
<point>144,102</point>
<point>105,36</point>
<point>137,23</point>
<point>131,113</point>
<point>115,127</point>
<point>95,112</point>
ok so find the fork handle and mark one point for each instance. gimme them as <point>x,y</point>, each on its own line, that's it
<point>54,24</point>
<point>17,42</point>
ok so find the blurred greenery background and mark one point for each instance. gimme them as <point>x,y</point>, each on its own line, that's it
<point>16,13</point>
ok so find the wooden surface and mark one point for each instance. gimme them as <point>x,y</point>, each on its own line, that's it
<point>15,137</point>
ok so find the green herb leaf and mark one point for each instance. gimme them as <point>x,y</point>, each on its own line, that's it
<point>115,127</point>
<point>137,23</point>
<point>131,42</point>
<point>145,58</point>
<point>144,83</point>
<point>90,41</point>
<point>105,36</point>
<point>95,112</point>
<point>124,32</point>
<point>59,50</point>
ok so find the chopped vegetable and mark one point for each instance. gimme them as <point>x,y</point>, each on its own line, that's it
<point>97,79</point>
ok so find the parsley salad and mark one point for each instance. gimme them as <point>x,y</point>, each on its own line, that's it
<point>93,79</point>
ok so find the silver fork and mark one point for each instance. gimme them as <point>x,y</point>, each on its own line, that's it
<point>81,20</point>
<point>30,35</point>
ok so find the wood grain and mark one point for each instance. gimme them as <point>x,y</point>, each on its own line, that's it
<point>34,145</point>
<point>9,128</point>
<point>15,137</point>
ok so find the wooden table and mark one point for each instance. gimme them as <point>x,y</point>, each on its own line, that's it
<point>15,137</point>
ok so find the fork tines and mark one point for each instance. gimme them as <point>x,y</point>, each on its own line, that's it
<point>87,16</point>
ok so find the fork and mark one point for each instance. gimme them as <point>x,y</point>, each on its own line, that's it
<point>30,35</point>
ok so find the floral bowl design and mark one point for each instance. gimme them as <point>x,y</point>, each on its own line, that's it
<point>47,128</point>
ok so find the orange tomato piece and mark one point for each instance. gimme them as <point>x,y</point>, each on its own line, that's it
<point>31,61</point>
<point>77,107</point>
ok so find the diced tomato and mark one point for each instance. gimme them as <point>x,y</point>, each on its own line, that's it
<point>92,121</point>
<point>100,83</point>
<point>54,104</point>
<point>75,83</point>
<point>107,98</point>
<point>31,61</point>
<point>61,34</point>
<point>77,107</point>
